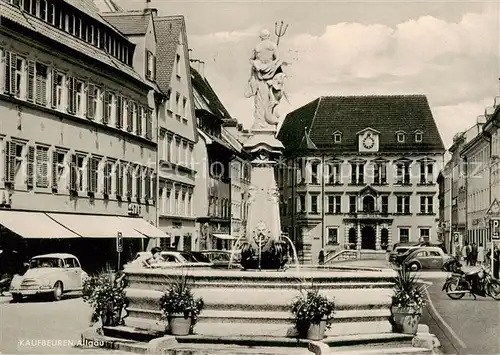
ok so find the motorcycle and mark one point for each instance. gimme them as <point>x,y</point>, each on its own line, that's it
<point>476,283</point>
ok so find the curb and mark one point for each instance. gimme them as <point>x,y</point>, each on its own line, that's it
<point>445,328</point>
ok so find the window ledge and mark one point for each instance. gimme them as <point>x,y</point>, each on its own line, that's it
<point>426,214</point>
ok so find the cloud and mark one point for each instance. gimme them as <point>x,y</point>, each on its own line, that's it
<point>454,63</point>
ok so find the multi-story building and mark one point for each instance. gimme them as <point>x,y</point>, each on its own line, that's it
<point>78,132</point>
<point>360,172</point>
<point>446,222</point>
<point>178,135</point>
<point>477,157</point>
<point>218,181</point>
<point>492,130</point>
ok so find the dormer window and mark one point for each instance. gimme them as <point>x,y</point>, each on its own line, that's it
<point>401,136</point>
<point>418,136</point>
<point>337,137</point>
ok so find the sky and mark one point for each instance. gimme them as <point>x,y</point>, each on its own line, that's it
<point>446,50</point>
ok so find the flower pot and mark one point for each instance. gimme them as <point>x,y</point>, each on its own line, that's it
<point>179,325</point>
<point>316,331</point>
<point>406,319</point>
<point>110,318</point>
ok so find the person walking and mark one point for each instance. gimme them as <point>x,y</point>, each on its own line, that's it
<point>473,254</point>
<point>480,254</point>
<point>466,253</point>
<point>496,261</point>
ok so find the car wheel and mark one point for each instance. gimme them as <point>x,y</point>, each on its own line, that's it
<point>414,266</point>
<point>58,291</point>
<point>17,297</point>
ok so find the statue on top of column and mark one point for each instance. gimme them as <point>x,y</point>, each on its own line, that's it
<point>266,82</point>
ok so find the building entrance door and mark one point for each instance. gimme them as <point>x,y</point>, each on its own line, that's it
<point>368,238</point>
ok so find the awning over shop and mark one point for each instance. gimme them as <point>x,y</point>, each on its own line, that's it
<point>223,236</point>
<point>91,226</point>
<point>34,225</point>
<point>144,227</point>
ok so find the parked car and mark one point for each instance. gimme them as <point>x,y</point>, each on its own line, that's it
<point>170,257</point>
<point>221,258</point>
<point>49,274</point>
<point>396,255</point>
<point>426,258</point>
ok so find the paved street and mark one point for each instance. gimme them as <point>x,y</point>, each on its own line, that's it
<point>24,324</point>
<point>476,323</point>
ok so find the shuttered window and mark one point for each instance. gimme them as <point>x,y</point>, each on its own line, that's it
<point>30,84</point>
<point>91,101</point>
<point>58,167</point>
<point>155,186</point>
<point>42,166</point>
<point>138,182</point>
<point>139,116</point>
<point>10,73</point>
<point>30,171</point>
<point>132,109</point>
<point>107,107</point>
<point>149,124</point>
<point>10,162</point>
<point>73,173</point>
<point>108,175</point>
<point>41,73</point>
<point>119,111</point>
<point>57,89</point>
<point>119,179</point>
<point>92,175</point>
<point>147,184</point>
<point>130,172</point>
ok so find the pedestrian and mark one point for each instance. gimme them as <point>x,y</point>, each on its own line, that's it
<point>496,261</point>
<point>155,258</point>
<point>480,254</point>
<point>473,254</point>
<point>458,253</point>
<point>466,253</point>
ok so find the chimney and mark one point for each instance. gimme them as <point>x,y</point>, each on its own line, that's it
<point>481,119</point>
<point>202,69</point>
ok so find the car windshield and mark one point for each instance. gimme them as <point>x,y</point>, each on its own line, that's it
<point>220,257</point>
<point>189,257</point>
<point>46,262</point>
<point>201,258</point>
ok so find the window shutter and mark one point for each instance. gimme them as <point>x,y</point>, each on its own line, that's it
<point>71,96</point>
<point>130,117</point>
<point>39,169</point>
<point>73,173</point>
<point>107,178</point>
<point>153,76</point>
<point>10,151</point>
<point>105,104</point>
<point>30,81</point>
<point>119,111</point>
<point>129,181</point>
<point>147,184</point>
<point>119,179</point>
<point>12,74</point>
<point>90,101</point>
<point>54,89</point>
<point>138,192</point>
<point>3,70</point>
<point>41,87</point>
<point>140,111</point>
<point>30,169</point>
<point>155,187</point>
<point>149,124</point>
<point>54,169</point>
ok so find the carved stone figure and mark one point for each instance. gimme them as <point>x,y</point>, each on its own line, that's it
<point>266,82</point>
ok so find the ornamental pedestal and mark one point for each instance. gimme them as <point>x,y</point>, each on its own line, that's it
<point>263,248</point>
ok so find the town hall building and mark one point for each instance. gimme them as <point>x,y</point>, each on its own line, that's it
<point>359,172</point>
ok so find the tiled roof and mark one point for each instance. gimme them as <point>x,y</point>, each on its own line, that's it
<point>351,114</point>
<point>128,23</point>
<point>168,30</point>
<point>203,87</point>
<point>35,24</point>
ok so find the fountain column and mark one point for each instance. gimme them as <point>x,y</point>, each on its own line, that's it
<point>264,224</point>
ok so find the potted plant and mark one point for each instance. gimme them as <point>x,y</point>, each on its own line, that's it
<point>106,297</point>
<point>313,314</point>
<point>407,302</point>
<point>179,306</point>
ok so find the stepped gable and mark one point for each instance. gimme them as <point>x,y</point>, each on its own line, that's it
<point>387,114</point>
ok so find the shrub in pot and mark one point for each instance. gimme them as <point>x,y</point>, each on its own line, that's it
<point>313,314</point>
<point>105,294</point>
<point>407,302</point>
<point>179,306</point>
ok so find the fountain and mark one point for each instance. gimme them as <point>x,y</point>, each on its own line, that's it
<point>250,303</point>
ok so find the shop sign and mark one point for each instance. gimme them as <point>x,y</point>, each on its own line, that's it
<point>134,209</point>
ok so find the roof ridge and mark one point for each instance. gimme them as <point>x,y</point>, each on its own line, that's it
<point>169,17</point>
<point>314,116</point>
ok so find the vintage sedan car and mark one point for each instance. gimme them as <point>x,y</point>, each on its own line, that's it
<point>169,257</point>
<point>221,258</point>
<point>49,274</point>
<point>426,258</point>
